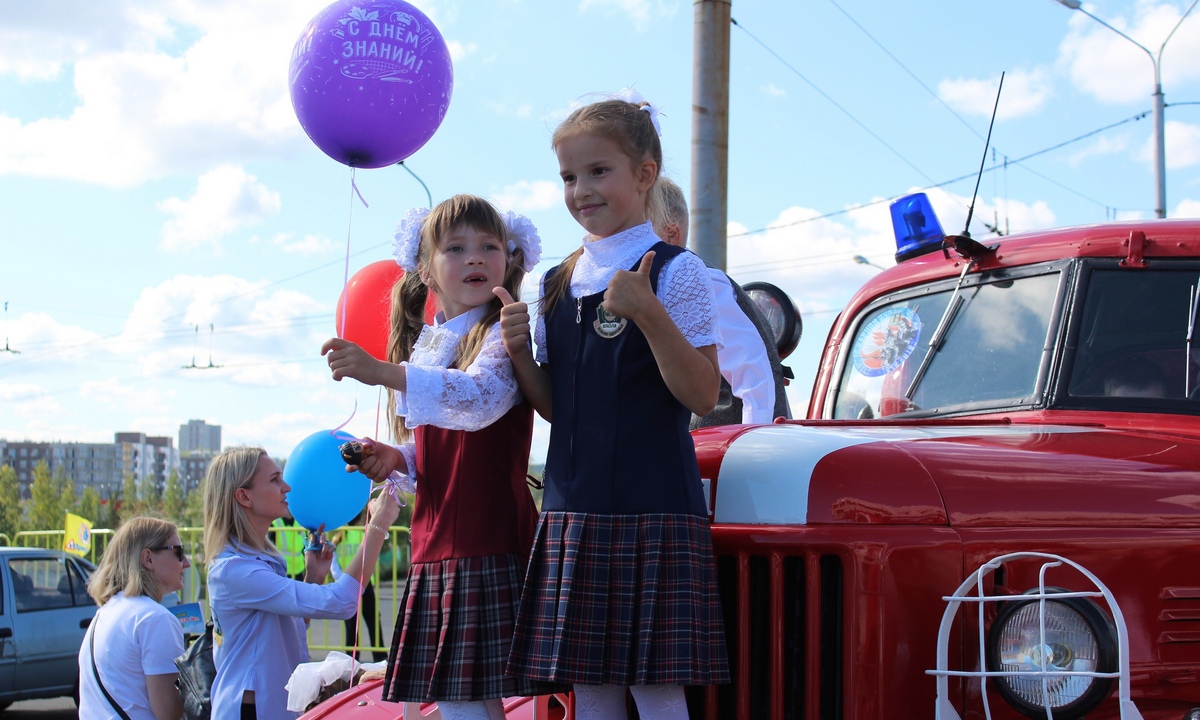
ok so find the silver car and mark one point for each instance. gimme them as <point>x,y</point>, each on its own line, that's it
<point>44,612</point>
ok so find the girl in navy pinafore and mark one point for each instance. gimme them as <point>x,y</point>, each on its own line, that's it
<point>621,590</point>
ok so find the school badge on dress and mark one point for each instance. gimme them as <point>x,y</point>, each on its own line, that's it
<point>607,325</point>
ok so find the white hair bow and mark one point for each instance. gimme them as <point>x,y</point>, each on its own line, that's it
<point>630,95</point>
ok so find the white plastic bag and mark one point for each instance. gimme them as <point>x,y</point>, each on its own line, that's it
<point>307,680</point>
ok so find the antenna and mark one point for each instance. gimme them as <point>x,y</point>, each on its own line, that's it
<point>7,349</point>
<point>967,248</point>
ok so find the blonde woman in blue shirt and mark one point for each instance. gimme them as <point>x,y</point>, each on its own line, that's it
<point>258,611</point>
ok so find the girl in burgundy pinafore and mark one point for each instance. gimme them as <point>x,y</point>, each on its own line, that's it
<point>456,398</point>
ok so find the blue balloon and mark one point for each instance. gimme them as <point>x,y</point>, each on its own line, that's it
<point>322,491</point>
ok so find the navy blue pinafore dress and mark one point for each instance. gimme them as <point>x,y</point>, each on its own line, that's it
<point>621,587</point>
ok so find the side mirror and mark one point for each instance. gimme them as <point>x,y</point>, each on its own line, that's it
<point>781,313</point>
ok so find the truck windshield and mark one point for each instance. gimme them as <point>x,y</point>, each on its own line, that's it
<point>991,354</point>
<point>1132,336</point>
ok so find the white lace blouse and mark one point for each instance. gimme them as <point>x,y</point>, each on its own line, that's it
<point>469,399</point>
<point>684,286</point>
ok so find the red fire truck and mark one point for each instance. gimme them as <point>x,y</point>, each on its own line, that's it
<point>993,506</point>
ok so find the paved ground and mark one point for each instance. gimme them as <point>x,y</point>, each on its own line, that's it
<point>54,709</point>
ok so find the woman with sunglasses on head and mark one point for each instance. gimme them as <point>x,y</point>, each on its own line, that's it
<point>127,660</point>
<point>258,612</point>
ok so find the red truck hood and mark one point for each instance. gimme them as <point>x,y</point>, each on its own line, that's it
<point>986,475</point>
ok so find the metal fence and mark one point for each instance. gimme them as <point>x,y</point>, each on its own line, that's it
<point>323,635</point>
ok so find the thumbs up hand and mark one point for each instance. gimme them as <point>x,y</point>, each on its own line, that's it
<point>629,292</point>
<point>514,324</point>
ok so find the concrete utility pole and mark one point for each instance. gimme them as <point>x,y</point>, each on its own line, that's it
<point>710,131</point>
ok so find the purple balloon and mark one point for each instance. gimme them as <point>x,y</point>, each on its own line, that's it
<point>371,81</point>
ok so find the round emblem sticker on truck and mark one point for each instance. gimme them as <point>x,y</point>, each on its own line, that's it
<point>886,341</point>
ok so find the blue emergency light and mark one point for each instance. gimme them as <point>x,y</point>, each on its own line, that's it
<point>916,227</point>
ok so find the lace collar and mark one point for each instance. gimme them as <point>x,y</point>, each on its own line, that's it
<point>602,258</point>
<point>438,342</point>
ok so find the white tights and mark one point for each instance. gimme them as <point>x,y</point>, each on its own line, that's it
<point>465,709</point>
<point>607,702</point>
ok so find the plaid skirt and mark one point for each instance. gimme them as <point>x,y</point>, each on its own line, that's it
<point>453,632</point>
<point>623,600</point>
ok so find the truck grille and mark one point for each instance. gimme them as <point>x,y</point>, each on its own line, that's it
<point>783,625</point>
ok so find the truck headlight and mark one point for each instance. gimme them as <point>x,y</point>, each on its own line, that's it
<point>1079,638</point>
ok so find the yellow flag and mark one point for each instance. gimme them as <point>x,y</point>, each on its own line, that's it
<point>78,537</point>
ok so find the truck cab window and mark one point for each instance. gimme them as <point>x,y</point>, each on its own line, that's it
<point>1131,340</point>
<point>992,352</point>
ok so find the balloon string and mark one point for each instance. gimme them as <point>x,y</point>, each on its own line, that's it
<point>378,408</point>
<point>358,609</point>
<point>356,192</point>
<point>347,421</point>
<point>367,516</point>
<point>341,326</point>
<point>362,575</point>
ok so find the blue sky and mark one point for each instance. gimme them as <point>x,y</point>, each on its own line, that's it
<point>154,178</point>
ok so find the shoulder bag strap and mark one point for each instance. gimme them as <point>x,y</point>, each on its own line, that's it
<point>96,671</point>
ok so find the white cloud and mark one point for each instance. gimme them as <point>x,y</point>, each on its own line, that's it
<point>527,196</point>
<point>307,245</point>
<point>1187,208</point>
<point>1099,147</point>
<point>773,90</point>
<point>31,412</point>
<point>460,51</point>
<point>238,324</point>
<point>38,40</point>
<point>42,340</point>
<point>521,110</point>
<point>226,199</point>
<point>144,108</point>
<point>112,393</point>
<point>21,392</point>
<point>1183,144</point>
<point>1025,91</point>
<point>278,432</point>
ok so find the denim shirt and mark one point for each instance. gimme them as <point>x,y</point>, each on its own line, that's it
<point>259,634</point>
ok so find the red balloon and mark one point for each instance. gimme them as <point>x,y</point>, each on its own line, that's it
<point>369,312</point>
<point>368,301</point>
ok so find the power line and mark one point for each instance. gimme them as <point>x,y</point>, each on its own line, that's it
<point>165,371</point>
<point>967,176</point>
<point>927,89</point>
<point>47,349</point>
<point>911,74</point>
<point>833,102</point>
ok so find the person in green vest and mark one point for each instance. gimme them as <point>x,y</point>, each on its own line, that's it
<point>289,539</point>
<point>347,542</point>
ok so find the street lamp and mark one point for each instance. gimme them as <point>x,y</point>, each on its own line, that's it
<point>862,260</point>
<point>1160,162</point>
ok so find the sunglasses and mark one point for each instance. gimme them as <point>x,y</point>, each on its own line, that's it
<point>179,550</point>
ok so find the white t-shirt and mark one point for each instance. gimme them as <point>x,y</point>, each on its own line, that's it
<point>135,637</point>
